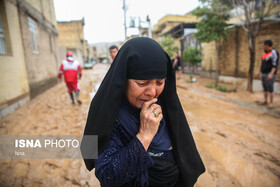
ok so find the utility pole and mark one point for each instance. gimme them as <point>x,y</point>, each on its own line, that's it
<point>149,27</point>
<point>139,27</point>
<point>124,12</point>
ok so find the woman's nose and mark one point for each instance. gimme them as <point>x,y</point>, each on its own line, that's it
<point>151,91</point>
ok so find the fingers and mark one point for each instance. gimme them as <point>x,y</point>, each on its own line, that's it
<point>156,117</point>
<point>156,107</point>
<point>154,113</point>
<point>160,117</point>
<point>147,104</point>
<point>157,111</point>
<point>153,118</point>
<point>150,117</point>
<point>151,111</point>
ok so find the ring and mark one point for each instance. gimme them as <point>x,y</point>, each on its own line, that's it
<point>156,114</point>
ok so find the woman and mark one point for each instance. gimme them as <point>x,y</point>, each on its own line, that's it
<point>143,136</point>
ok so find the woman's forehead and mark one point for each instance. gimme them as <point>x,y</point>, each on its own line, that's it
<point>145,80</point>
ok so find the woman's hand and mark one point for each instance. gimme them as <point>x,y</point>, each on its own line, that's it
<point>149,122</point>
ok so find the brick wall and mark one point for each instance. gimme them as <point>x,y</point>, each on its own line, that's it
<point>235,56</point>
<point>208,57</point>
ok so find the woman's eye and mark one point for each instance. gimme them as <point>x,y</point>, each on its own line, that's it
<point>160,83</point>
<point>142,83</point>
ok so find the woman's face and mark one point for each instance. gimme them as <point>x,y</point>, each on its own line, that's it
<point>140,91</point>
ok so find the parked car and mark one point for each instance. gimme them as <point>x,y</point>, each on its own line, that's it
<point>89,64</point>
<point>104,61</point>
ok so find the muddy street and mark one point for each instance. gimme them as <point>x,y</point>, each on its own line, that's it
<point>51,113</point>
<point>239,144</point>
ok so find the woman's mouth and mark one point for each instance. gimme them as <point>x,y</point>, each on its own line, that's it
<point>142,100</point>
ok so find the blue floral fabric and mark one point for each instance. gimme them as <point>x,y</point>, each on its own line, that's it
<point>124,162</point>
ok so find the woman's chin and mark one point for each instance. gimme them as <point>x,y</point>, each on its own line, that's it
<point>139,105</point>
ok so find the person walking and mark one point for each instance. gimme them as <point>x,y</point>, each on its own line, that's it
<point>71,70</point>
<point>268,72</point>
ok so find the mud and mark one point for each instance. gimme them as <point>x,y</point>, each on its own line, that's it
<point>51,113</point>
<point>238,140</point>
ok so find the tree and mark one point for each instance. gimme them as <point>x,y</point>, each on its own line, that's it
<point>168,44</point>
<point>193,56</point>
<point>254,12</point>
<point>213,26</point>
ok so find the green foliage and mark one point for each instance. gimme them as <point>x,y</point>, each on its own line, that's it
<point>168,44</point>
<point>220,87</point>
<point>190,80</point>
<point>192,55</point>
<point>213,26</point>
<point>223,88</point>
<point>210,86</point>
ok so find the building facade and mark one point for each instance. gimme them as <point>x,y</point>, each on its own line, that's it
<point>39,38</point>
<point>71,38</point>
<point>175,25</point>
<point>181,28</point>
<point>13,74</point>
<point>28,51</point>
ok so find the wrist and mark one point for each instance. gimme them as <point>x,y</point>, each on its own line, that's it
<point>145,140</point>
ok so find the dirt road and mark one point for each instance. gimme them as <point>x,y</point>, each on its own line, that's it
<point>239,144</point>
<point>51,113</point>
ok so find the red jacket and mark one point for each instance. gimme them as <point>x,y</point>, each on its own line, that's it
<point>71,70</point>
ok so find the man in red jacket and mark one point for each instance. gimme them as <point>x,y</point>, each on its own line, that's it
<point>71,70</point>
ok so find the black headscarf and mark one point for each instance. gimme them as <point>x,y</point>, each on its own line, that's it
<point>143,59</point>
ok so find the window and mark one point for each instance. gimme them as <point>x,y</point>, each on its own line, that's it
<point>3,49</point>
<point>33,31</point>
